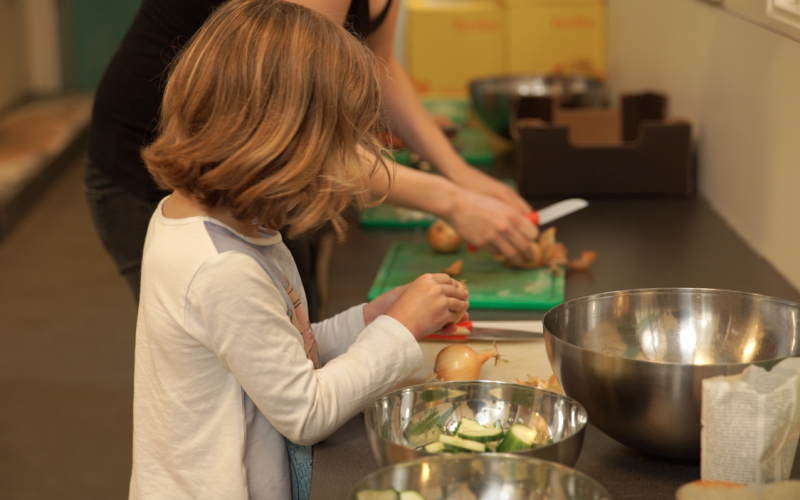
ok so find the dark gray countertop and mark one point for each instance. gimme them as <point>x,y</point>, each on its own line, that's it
<point>640,244</point>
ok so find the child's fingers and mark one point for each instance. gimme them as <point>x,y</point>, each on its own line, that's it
<point>452,316</point>
<point>449,329</point>
<point>448,284</point>
<point>457,305</point>
<point>442,279</point>
<point>453,291</point>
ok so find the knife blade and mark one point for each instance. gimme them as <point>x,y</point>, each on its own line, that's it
<point>500,331</point>
<point>557,210</point>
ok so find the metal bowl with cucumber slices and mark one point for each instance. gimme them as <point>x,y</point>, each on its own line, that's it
<point>489,476</point>
<point>475,417</point>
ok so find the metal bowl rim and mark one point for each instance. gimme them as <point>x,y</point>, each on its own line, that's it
<point>529,76</point>
<point>416,387</point>
<point>654,291</point>
<point>578,431</point>
<point>482,456</point>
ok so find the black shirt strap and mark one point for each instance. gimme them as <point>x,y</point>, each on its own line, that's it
<point>358,21</point>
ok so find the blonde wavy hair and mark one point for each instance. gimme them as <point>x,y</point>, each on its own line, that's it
<point>272,111</point>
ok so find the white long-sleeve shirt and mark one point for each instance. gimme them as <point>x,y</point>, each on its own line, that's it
<point>221,374</point>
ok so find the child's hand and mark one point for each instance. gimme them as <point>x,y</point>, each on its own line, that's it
<point>428,304</point>
<point>380,304</point>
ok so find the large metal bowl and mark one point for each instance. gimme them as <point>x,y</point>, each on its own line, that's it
<point>397,425</point>
<point>489,476</point>
<point>636,359</point>
<point>493,98</point>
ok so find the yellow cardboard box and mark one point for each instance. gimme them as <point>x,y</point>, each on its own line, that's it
<point>451,42</point>
<point>555,36</point>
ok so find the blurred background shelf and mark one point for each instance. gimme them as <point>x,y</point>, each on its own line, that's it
<point>38,140</point>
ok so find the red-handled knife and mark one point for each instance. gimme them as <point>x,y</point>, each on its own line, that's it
<point>551,213</point>
<point>493,330</point>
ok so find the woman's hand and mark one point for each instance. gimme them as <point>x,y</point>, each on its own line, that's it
<point>428,304</point>
<point>493,225</point>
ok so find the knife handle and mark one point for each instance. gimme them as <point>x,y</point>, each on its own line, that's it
<point>462,325</point>
<point>467,324</point>
<point>533,217</point>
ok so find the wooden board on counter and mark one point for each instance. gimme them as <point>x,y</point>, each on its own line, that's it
<point>518,360</point>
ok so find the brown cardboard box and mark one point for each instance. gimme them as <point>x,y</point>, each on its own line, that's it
<point>631,151</point>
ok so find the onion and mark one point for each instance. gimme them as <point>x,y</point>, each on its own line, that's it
<point>455,268</point>
<point>556,255</point>
<point>443,238</point>
<point>536,261</point>
<point>460,362</point>
<point>547,238</point>
<point>586,260</point>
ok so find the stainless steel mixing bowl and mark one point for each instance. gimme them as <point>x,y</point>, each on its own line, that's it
<point>401,422</point>
<point>489,476</point>
<point>636,359</point>
<point>493,98</point>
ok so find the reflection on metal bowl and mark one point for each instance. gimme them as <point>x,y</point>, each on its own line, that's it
<point>489,476</point>
<point>400,423</point>
<point>493,98</point>
<point>636,359</point>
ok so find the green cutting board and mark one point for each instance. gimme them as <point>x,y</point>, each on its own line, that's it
<point>471,144</point>
<point>491,284</point>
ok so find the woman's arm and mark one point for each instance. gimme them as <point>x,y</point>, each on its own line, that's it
<point>486,212</point>
<point>483,221</point>
<point>413,123</point>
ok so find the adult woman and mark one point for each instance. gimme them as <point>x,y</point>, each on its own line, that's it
<point>122,196</point>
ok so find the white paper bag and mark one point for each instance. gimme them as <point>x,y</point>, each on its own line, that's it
<point>750,424</point>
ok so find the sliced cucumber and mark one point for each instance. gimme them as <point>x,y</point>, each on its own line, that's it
<point>462,444</point>
<point>377,495</point>
<point>482,435</point>
<point>519,437</point>
<point>469,424</point>
<point>494,425</point>
<point>410,495</point>
<point>436,447</point>
<point>492,445</point>
<point>466,423</point>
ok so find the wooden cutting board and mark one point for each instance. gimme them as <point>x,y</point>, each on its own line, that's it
<point>491,284</point>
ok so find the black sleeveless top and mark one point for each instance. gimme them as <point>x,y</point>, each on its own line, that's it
<point>128,98</point>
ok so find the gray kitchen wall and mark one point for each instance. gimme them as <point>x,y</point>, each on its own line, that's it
<point>740,85</point>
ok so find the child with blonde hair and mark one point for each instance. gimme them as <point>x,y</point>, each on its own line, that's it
<point>269,119</point>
